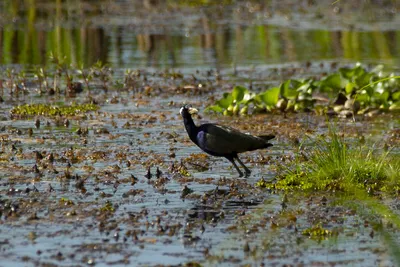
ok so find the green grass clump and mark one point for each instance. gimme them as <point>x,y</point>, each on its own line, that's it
<point>52,110</point>
<point>332,165</point>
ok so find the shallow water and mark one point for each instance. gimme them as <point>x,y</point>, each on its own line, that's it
<point>51,218</point>
<point>212,229</point>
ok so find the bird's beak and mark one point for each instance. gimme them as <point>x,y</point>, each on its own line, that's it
<point>193,111</point>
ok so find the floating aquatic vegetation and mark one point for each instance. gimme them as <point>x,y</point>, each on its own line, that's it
<point>318,232</point>
<point>348,92</point>
<point>52,110</point>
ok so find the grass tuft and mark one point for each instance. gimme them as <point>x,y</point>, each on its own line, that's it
<point>333,165</point>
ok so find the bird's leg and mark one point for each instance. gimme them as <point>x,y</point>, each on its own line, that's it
<point>236,167</point>
<point>216,193</point>
<point>244,166</point>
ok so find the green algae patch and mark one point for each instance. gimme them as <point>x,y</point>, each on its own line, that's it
<point>52,110</point>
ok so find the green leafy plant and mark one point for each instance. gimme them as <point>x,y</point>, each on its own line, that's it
<point>348,91</point>
<point>235,102</point>
<point>62,67</point>
<point>102,72</point>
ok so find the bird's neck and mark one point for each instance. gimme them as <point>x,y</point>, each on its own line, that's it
<point>191,128</point>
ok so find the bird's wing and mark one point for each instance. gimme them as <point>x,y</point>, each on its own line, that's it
<point>225,140</point>
<point>214,144</point>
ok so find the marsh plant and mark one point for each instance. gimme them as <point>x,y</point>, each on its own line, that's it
<point>352,175</point>
<point>86,75</point>
<point>62,68</point>
<point>42,76</point>
<point>348,92</point>
<point>102,72</point>
<point>334,165</point>
<point>10,75</point>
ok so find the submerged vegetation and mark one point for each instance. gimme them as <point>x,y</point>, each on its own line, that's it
<point>348,92</point>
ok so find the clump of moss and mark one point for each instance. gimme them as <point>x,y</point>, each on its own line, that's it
<point>52,110</point>
<point>333,165</point>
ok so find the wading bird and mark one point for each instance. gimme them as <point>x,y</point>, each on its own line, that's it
<point>222,141</point>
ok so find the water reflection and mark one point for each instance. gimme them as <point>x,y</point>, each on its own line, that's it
<point>195,40</point>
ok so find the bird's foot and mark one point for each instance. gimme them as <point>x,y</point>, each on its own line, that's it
<point>247,174</point>
<point>240,174</point>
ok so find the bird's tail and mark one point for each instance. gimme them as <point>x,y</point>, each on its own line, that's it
<point>267,137</point>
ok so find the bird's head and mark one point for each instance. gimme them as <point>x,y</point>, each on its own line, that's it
<point>187,111</point>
